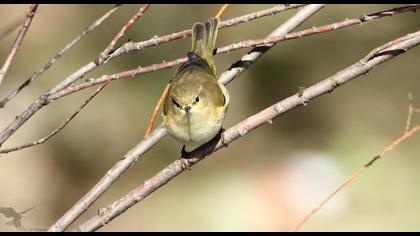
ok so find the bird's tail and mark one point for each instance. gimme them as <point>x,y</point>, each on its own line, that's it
<point>204,39</point>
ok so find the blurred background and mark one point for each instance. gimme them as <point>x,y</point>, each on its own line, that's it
<point>267,180</point>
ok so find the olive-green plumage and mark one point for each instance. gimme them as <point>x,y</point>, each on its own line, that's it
<point>196,104</point>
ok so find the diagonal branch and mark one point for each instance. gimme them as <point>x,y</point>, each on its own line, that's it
<point>237,46</point>
<point>43,99</point>
<point>58,56</point>
<point>18,41</point>
<point>160,132</point>
<point>105,215</point>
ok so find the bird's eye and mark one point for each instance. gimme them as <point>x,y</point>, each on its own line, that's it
<point>197,99</point>
<point>173,100</point>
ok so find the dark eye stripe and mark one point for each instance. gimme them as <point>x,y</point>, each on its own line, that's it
<point>173,100</point>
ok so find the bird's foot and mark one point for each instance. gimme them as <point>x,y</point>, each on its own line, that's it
<point>185,164</point>
<point>222,137</point>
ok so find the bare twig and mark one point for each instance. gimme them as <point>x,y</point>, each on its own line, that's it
<point>21,35</point>
<point>407,134</point>
<point>155,41</point>
<point>44,100</point>
<point>120,34</point>
<point>62,126</point>
<point>222,9</point>
<point>235,46</point>
<point>59,55</point>
<point>133,155</point>
<point>156,110</point>
<point>105,215</point>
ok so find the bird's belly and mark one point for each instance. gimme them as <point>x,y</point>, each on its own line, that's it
<point>201,128</point>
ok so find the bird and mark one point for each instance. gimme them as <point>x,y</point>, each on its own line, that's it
<point>9,212</point>
<point>196,105</point>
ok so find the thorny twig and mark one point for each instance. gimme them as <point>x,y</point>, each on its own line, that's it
<point>242,128</point>
<point>66,48</point>
<point>133,155</point>
<point>407,134</point>
<point>21,35</point>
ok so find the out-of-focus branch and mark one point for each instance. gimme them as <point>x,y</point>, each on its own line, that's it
<point>266,116</point>
<point>237,46</point>
<point>62,126</point>
<point>66,48</point>
<point>407,134</point>
<point>18,41</point>
<point>133,155</point>
<point>101,59</point>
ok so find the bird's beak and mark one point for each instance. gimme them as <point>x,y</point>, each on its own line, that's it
<point>187,108</point>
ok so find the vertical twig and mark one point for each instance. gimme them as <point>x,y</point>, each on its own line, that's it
<point>21,35</point>
<point>155,111</point>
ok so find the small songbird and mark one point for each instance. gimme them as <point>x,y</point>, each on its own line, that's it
<point>197,103</point>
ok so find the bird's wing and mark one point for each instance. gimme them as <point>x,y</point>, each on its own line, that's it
<point>8,211</point>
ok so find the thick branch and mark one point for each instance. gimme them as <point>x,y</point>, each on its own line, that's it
<point>237,46</point>
<point>160,132</point>
<point>58,56</point>
<point>18,41</point>
<point>266,116</point>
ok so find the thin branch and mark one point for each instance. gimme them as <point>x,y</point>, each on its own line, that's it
<point>155,41</point>
<point>407,134</point>
<point>266,116</point>
<point>132,156</point>
<point>411,109</point>
<point>156,110</point>
<point>62,126</point>
<point>222,9</point>
<point>120,34</point>
<point>237,46</point>
<point>10,28</point>
<point>18,41</point>
<point>43,99</point>
<point>66,48</point>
